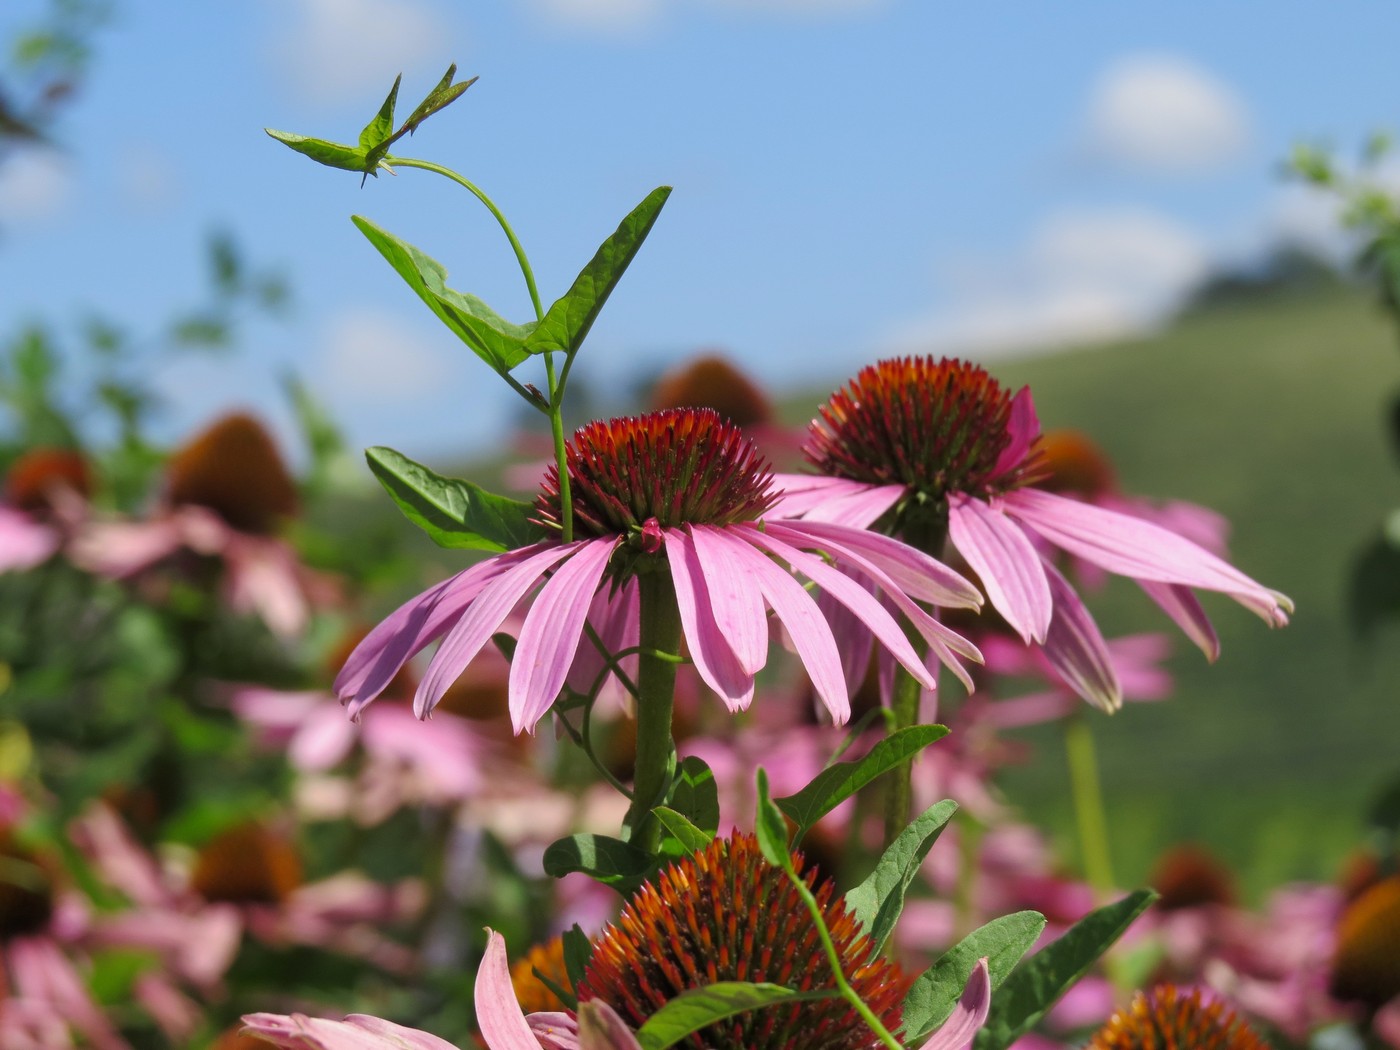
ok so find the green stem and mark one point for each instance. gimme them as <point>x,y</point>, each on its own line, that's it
<point>899,792</point>
<point>1088,803</point>
<point>834,959</point>
<point>657,660</point>
<point>555,402</point>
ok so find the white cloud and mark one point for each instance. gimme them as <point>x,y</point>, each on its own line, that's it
<point>340,50</point>
<point>369,357</point>
<point>1082,276</point>
<point>637,18</point>
<point>35,186</point>
<point>1165,115</point>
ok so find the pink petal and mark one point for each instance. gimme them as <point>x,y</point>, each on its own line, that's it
<point>24,540</point>
<point>1076,649</point>
<point>735,599</point>
<point>853,637</point>
<point>841,500</point>
<point>1024,427</point>
<point>600,1028</point>
<point>918,574</point>
<point>1138,549</point>
<point>356,1032</point>
<point>481,619</point>
<point>549,639</point>
<point>798,612</point>
<point>1181,605</point>
<point>715,659</point>
<point>1007,562</point>
<point>498,1012</point>
<point>969,1015</point>
<point>409,629</point>
<point>854,597</point>
<point>615,616</point>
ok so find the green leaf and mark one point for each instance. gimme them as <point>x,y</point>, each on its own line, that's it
<point>699,1008</point>
<point>771,828</point>
<point>456,514</point>
<point>1038,984</point>
<point>936,991</point>
<point>578,950</point>
<point>568,319</point>
<point>492,338</point>
<point>835,784</point>
<point>877,902</point>
<point>378,130</point>
<point>681,838</point>
<point>695,796</point>
<point>323,151</point>
<point>439,98</point>
<point>611,861</point>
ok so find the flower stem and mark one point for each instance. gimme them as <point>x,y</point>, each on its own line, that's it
<point>1088,803</point>
<point>834,959</point>
<point>899,791</point>
<point>659,645</point>
<point>554,408</point>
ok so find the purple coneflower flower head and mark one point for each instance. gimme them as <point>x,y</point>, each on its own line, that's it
<point>684,493</point>
<point>927,445</point>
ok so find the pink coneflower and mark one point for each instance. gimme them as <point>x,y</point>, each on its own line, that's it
<point>678,497</point>
<point>44,500</point>
<point>934,447</point>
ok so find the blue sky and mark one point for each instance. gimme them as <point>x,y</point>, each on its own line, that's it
<point>852,178</point>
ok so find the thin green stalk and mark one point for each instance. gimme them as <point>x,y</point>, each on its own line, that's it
<point>834,959</point>
<point>554,408</point>
<point>899,790</point>
<point>1088,803</point>
<point>657,661</point>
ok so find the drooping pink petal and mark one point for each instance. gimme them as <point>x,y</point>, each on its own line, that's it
<point>25,541</point>
<point>409,629</point>
<point>356,1032</point>
<point>841,501</point>
<point>554,1029</point>
<point>498,1012</point>
<point>853,637</point>
<point>1076,649</point>
<point>918,574</point>
<point>1140,550</point>
<point>1024,427</point>
<point>615,616</point>
<point>480,620</point>
<point>715,659</point>
<point>549,639</point>
<point>854,597</point>
<point>1178,602</point>
<point>969,1015</point>
<point>600,1028</point>
<point>737,603</point>
<point>1007,562</point>
<point>41,971</point>
<point>261,576</point>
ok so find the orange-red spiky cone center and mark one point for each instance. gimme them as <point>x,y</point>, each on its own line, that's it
<point>936,426</point>
<point>678,467</point>
<point>726,914</point>
<point>1171,1018</point>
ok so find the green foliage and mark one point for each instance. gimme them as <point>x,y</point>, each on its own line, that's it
<point>456,514</point>
<point>1036,986</point>
<point>771,828</point>
<point>679,837</point>
<point>611,861</point>
<point>699,1008</point>
<point>838,782</point>
<point>935,992</point>
<point>695,796</point>
<point>877,902</point>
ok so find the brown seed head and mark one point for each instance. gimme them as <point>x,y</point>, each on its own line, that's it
<point>39,472</point>
<point>1187,876</point>
<point>233,468</point>
<point>1367,964</point>
<point>247,864</point>
<point>1172,1018</point>
<point>1073,463</point>
<point>712,381</point>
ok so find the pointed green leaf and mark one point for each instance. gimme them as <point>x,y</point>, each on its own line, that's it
<point>331,154</point>
<point>578,950</point>
<point>378,130</point>
<point>936,991</point>
<point>681,838</point>
<point>611,861</point>
<point>835,784</point>
<point>699,1008</point>
<point>455,513</point>
<point>492,338</point>
<point>771,828</point>
<point>439,98</point>
<point>1038,984</point>
<point>568,320</point>
<point>877,902</point>
<point>695,796</point>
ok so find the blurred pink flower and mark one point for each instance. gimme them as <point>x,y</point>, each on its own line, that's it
<point>44,501</point>
<point>682,490</point>
<point>921,438</point>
